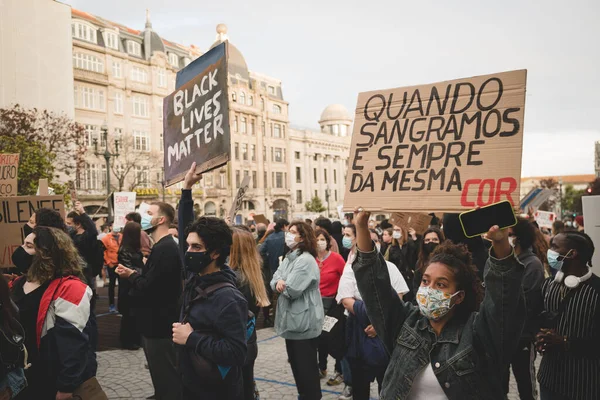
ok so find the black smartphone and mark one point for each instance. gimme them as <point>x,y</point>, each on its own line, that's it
<point>479,221</point>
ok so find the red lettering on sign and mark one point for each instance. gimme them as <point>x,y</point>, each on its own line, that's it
<point>489,191</point>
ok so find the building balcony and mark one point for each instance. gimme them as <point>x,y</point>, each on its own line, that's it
<point>280,192</point>
<point>90,76</point>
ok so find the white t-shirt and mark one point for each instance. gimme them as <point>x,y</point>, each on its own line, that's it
<point>426,386</point>
<point>349,288</point>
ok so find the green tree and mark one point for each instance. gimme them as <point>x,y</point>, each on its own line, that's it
<point>315,205</point>
<point>50,145</point>
<point>572,200</point>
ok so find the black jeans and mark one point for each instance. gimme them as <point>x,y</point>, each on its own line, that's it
<point>248,378</point>
<point>524,370</point>
<point>303,360</point>
<point>112,276</point>
<point>161,358</point>
<point>324,353</point>
<point>362,376</point>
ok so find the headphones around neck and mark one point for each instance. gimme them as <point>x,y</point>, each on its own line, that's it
<point>572,281</point>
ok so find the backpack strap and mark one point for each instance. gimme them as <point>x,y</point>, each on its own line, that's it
<point>203,294</point>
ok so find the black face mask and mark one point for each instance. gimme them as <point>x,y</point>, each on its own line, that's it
<point>428,248</point>
<point>27,230</point>
<point>196,262</point>
<point>22,259</point>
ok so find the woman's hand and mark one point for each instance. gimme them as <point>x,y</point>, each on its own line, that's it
<point>363,235</point>
<point>280,286</point>
<point>499,238</point>
<point>413,234</point>
<point>123,271</point>
<point>63,396</point>
<point>191,178</point>
<point>181,333</point>
<point>370,331</point>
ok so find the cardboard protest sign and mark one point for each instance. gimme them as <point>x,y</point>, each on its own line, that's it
<point>9,169</point>
<point>14,214</point>
<point>124,203</point>
<point>445,147</point>
<point>196,117</point>
<point>591,220</point>
<point>544,219</point>
<point>261,219</point>
<point>418,221</point>
<point>237,202</point>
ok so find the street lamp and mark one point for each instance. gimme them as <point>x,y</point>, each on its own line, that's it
<point>560,198</point>
<point>107,156</point>
<point>327,194</point>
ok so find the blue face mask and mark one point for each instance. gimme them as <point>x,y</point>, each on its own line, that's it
<point>347,242</point>
<point>147,223</point>
<point>553,260</point>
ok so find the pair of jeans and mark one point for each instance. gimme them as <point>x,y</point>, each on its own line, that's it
<point>362,376</point>
<point>113,277</point>
<point>161,358</point>
<point>523,368</point>
<point>303,360</point>
<point>323,355</point>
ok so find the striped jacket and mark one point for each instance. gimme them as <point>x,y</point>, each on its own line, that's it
<point>66,332</point>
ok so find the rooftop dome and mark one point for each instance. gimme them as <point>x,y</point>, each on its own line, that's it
<point>237,62</point>
<point>335,112</point>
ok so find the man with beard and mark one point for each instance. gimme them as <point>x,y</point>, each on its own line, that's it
<point>156,293</point>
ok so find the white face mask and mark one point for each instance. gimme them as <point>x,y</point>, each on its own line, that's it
<point>397,235</point>
<point>322,245</point>
<point>290,240</point>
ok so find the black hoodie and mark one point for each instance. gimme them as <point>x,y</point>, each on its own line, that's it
<point>222,319</point>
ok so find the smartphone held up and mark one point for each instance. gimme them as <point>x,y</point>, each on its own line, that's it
<point>478,221</point>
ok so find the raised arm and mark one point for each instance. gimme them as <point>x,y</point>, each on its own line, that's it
<point>501,317</point>
<point>386,310</point>
<point>186,205</point>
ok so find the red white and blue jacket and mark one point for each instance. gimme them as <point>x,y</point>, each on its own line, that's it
<point>66,333</point>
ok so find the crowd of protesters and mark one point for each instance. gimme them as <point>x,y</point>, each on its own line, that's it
<point>426,315</point>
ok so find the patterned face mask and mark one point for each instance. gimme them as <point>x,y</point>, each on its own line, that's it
<point>434,303</point>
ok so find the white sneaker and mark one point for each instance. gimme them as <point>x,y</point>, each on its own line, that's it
<point>346,393</point>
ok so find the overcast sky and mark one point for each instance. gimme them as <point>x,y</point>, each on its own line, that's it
<point>327,51</point>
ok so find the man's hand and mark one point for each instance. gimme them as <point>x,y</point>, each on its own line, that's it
<point>191,178</point>
<point>79,208</point>
<point>280,286</point>
<point>123,271</point>
<point>63,396</point>
<point>228,220</point>
<point>370,331</point>
<point>548,339</point>
<point>181,333</point>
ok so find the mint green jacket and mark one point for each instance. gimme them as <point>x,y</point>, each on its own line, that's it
<point>299,313</point>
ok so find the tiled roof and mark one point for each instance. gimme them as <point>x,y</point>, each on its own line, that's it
<point>110,24</point>
<point>566,178</point>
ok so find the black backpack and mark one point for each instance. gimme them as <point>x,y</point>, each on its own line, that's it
<point>13,354</point>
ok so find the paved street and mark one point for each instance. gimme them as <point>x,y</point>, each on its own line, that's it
<point>123,376</point>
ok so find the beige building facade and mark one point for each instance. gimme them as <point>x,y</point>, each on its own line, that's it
<point>121,76</point>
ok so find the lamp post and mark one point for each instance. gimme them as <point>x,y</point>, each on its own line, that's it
<point>560,198</point>
<point>327,194</point>
<point>107,156</point>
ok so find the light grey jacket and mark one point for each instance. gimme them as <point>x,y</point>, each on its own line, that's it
<point>299,307</point>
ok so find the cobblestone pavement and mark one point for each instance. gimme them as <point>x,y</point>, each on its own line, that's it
<point>123,376</point>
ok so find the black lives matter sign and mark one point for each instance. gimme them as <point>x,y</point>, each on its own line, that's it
<point>447,146</point>
<point>196,120</point>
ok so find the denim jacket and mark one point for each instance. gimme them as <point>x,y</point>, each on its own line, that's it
<point>469,355</point>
